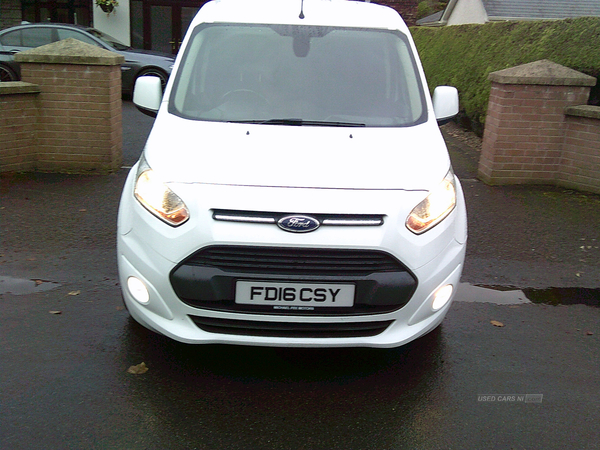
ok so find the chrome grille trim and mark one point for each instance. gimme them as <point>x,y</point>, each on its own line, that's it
<point>240,218</point>
<point>354,222</point>
<point>361,220</point>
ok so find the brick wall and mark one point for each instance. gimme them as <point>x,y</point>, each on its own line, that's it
<point>18,121</point>
<point>10,13</point>
<point>79,127</point>
<point>580,160</point>
<point>529,139</point>
<point>73,123</point>
<point>524,131</point>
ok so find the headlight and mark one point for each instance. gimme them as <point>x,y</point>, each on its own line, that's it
<point>439,203</point>
<point>157,198</point>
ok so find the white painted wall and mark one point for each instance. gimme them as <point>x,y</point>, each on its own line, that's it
<point>468,11</point>
<point>116,24</point>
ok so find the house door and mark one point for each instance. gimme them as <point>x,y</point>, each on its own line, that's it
<point>160,25</point>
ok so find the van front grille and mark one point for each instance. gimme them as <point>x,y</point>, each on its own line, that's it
<point>295,261</point>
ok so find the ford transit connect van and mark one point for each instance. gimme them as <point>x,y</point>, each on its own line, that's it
<point>295,189</point>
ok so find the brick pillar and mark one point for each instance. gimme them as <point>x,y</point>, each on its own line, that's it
<point>524,128</point>
<point>79,123</point>
<point>580,163</point>
<point>18,125</point>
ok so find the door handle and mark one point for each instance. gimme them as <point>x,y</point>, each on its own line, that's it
<point>175,44</point>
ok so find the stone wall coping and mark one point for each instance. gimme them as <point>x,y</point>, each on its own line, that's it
<point>543,72</point>
<point>18,87</point>
<point>70,51</point>
<point>588,111</point>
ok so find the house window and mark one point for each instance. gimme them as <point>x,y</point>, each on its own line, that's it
<point>60,11</point>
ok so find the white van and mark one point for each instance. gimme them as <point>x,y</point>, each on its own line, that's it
<point>295,189</point>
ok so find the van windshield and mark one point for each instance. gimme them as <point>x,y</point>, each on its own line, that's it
<point>295,75</point>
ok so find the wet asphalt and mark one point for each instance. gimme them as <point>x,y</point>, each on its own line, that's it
<point>496,374</point>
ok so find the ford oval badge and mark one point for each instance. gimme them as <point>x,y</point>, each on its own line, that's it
<point>298,224</point>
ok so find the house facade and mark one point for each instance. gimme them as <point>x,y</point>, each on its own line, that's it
<point>148,24</point>
<point>459,12</point>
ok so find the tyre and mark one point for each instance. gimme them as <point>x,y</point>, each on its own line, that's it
<point>7,74</point>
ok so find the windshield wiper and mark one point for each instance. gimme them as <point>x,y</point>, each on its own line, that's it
<point>301,122</point>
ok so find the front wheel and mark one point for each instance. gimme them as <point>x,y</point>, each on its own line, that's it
<point>7,74</point>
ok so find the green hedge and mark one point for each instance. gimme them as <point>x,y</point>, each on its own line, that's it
<point>464,55</point>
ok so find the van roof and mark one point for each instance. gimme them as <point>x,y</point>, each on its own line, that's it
<point>342,13</point>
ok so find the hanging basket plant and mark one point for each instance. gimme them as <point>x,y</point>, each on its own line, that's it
<point>107,6</point>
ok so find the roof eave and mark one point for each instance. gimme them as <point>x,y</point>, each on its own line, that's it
<point>522,19</point>
<point>439,23</point>
<point>448,12</point>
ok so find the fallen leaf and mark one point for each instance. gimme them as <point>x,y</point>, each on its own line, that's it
<point>496,323</point>
<point>74,293</point>
<point>139,369</point>
<point>55,312</point>
<point>82,210</point>
<point>38,282</point>
<point>120,308</point>
<point>589,333</point>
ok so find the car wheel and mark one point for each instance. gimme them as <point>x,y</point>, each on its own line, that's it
<point>155,73</point>
<point>7,74</point>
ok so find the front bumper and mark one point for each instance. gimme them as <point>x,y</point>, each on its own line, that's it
<point>177,310</point>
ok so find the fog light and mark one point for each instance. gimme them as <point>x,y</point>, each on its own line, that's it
<point>441,297</point>
<point>138,290</point>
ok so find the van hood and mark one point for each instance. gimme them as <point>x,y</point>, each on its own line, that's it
<point>188,151</point>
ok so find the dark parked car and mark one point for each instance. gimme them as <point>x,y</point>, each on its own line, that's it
<point>24,37</point>
<point>7,72</point>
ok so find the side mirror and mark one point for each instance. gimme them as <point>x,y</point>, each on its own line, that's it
<point>445,103</point>
<point>147,95</point>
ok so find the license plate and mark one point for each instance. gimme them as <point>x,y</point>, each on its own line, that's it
<point>294,295</point>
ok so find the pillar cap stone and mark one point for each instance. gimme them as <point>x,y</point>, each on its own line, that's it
<point>18,87</point>
<point>543,72</point>
<point>70,51</point>
<point>588,111</point>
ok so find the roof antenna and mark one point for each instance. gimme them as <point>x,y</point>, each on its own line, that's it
<point>301,10</point>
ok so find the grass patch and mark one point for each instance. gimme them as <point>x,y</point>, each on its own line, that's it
<point>463,56</point>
